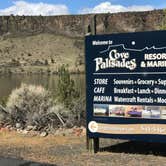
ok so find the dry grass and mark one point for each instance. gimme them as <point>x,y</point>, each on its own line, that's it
<point>33,148</point>
<point>32,52</point>
<point>70,150</point>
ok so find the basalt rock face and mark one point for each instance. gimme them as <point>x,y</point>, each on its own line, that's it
<point>78,25</point>
<point>130,22</point>
<point>31,25</point>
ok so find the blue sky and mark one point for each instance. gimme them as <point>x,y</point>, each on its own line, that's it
<point>27,7</point>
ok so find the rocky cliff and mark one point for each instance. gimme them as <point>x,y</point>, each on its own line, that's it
<point>43,43</point>
<point>78,25</point>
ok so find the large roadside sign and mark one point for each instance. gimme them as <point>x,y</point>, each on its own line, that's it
<point>126,86</point>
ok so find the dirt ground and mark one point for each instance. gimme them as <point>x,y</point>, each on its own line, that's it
<point>71,151</point>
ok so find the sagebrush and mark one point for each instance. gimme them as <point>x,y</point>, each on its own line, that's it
<point>32,105</point>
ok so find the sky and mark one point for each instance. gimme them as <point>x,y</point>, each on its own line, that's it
<point>65,7</point>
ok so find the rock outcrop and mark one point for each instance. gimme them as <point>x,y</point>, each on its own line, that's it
<point>78,25</point>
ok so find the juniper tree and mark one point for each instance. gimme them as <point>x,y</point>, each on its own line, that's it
<point>67,91</point>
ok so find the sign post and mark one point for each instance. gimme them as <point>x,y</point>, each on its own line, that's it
<point>126,87</point>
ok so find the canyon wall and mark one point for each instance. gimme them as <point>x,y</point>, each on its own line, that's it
<point>79,25</point>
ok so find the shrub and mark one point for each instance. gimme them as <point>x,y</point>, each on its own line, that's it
<point>3,115</point>
<point>29,104</point>
<point>46,62</point>
<point>77,115</point>
<point>67,91</point>
<point>3,101</point>
<point>34,105</point>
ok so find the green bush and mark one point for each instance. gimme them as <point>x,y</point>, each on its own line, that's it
<point>67,91</point>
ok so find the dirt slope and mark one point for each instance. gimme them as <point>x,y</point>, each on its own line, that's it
<point>40,53</point>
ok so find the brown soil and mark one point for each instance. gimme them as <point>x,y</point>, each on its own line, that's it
<point>71,150</point>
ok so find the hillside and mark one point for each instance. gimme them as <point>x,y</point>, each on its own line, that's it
<point>41,53</point>
<point>38,44</point>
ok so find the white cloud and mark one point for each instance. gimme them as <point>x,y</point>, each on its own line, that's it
<point>107,7</point>
<point>26,8</point>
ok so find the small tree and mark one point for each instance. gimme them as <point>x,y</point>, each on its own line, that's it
<point>66,87</point>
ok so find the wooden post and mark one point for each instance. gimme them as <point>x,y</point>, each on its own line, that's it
<point>96,145</point>
<point>87,142</point>
<point>93,144</point>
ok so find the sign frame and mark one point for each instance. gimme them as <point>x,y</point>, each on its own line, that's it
<point>152,41</point>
